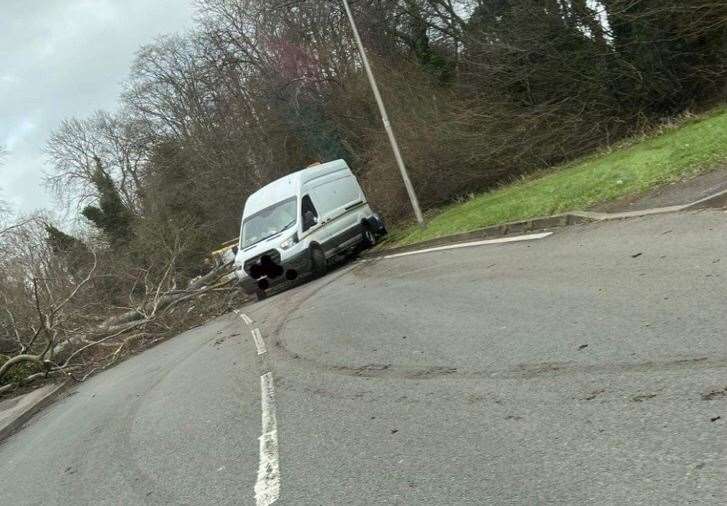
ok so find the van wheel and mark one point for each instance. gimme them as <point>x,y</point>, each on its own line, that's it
<point>318,261</point>
<point>368,238</point>
<point>260,294</point>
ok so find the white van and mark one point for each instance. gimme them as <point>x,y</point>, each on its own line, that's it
<point>297,223</point>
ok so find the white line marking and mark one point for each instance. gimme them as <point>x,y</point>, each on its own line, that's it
<point>267,487</point>
<point>476,243</point>
<point>236,311</point>
<point>259,343</point>
<point>246,318</point>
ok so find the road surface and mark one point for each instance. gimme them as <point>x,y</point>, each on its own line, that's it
<point>586,367</point>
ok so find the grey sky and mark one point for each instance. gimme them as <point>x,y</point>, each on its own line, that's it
<point>62,58</point>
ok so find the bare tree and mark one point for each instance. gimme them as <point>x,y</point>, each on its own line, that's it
<point>169,87</point>
<point>118,141</point>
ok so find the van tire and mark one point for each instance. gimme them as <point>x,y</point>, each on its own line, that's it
<point>318,262</point>
<point>368,237</point>
<point>260,295</point>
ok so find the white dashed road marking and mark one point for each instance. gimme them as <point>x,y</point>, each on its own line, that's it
<point>502,240</point>
<point>259,343</point>
<point>267,487</point>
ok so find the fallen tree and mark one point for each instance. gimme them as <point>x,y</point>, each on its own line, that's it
<point>217,277</point>
<point>61,339</point>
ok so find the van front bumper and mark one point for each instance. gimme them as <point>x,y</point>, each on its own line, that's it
<point>266,271</point>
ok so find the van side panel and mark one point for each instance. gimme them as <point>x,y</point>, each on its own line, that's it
<point>336,197</point>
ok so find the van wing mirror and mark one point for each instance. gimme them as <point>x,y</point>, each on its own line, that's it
<point>309,219</point>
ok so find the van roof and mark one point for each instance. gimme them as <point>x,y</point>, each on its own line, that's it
<point>288,186</point>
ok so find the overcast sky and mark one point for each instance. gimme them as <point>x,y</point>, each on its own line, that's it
<point>63,58</point>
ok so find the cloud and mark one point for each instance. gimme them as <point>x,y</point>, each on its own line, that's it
<point>25,127</point>
<point>63,58</point>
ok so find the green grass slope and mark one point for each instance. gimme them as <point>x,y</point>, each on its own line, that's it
<point>674,153</point>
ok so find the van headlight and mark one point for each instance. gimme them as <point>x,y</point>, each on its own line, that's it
<point>289,242</point>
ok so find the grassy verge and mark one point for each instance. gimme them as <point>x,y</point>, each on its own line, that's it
<point>633,167</point>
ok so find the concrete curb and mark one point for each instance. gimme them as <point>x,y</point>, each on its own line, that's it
<point>717,200</point>
<point>11,426</point>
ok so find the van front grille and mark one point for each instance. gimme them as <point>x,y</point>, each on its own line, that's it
<point>266,264</point>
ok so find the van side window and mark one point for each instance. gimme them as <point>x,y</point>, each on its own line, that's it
<point>307,206</point>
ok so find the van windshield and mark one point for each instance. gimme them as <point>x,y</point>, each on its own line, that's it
<point>268,222</point>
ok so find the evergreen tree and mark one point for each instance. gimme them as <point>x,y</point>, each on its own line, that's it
<point>60,242</point>
<point>68,248</point>
<point>111,216</point>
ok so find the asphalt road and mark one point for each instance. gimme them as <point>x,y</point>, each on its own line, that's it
<point>587,367</point>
